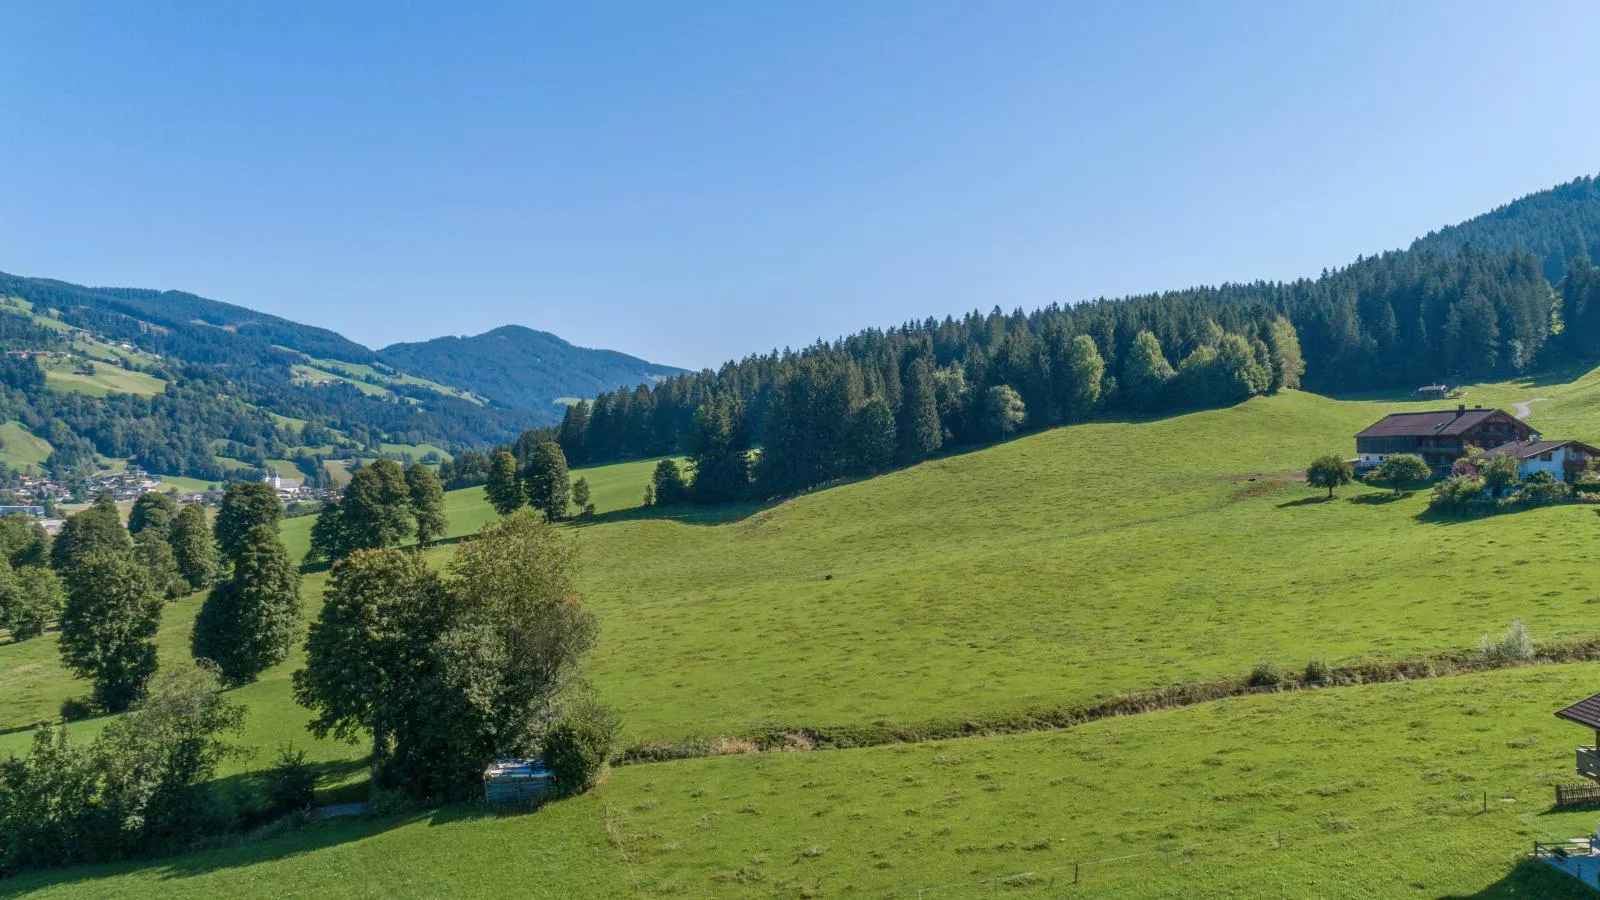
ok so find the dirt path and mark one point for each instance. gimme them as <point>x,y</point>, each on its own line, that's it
<point>1522,406</point>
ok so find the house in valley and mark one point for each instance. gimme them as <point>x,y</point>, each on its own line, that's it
<point>1564,460</point>
<point>1578,857</point>
<point>1440,437</point>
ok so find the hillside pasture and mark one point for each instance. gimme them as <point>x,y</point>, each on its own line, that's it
<point>107,379</point>
<point>1324,793</point>
<point>20,448</point>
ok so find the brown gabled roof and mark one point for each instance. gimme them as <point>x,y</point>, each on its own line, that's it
<point>1427,424</point>
<point>1584,712</point>
<point>1528,449</point>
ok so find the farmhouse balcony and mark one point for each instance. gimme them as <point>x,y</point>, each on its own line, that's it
<point>1589,763</point>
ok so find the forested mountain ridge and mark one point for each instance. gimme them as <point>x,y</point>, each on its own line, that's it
<point>1556,225</point>
<point>521,367</point>
<point>183,385</point>
<point>1470,303</point>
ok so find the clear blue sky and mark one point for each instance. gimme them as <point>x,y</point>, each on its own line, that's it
<point>696,181</point>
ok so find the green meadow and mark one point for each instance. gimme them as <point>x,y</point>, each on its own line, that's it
<point>1051,570</point>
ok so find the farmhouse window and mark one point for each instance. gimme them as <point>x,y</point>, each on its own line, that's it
<point>1544,457</point>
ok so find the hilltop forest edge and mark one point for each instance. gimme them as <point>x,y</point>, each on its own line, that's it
<point>1447,308</point>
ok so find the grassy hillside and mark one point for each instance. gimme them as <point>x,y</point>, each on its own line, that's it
<point>1331,793</point>
<point>1049,570</point>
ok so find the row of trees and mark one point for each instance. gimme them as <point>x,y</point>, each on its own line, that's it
<point>534,474</point>
<point>383,506</point>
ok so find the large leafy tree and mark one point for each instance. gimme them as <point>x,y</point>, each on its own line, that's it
<point>427,502</point>
<point>109,625</point>
<point>192,547</point>
<point>30,599</point>
<point>248,622</point>
<point>152,510</point>
<point>245,505</point>
<point>151,549</point>
<point>375,511</point>
<point>1145,374</point>
<point>503,487</point>
<point>1328,472</point>
<point>23,541</point>
<point>95,530</point>
<point>545,480</point>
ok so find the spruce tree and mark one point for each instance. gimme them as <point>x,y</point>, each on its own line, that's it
<point>919,432</point>
<point>872,437</point>
<point>573,435</point>
<point>245,505</point>
<point>545,481</point>
<point>248,623</point>
<point>667,487</point>
<point>718,448</point>
<point>109,625</point>
<point>192,547</point>
<point>427,502</point>
<point>504,488</point>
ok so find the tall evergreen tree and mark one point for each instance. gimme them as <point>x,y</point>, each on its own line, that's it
<point>545,481</point>
<point>427,502</point>
<point>573,435</point>
<point>109,625</point>
<point>718,448</point>
<point>248,622</point>
<point>919,431</point>
<point>667,487</point>
<point>873,439</point>
<point>245,504</point>
<point>504,487</point>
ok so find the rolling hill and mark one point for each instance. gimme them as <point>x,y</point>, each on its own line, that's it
<point>1042,573</point>
<point>520,367</point>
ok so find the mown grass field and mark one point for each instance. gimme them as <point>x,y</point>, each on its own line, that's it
<point>1373,791</point>
<point>107,379</point>
<point>1050,570</point>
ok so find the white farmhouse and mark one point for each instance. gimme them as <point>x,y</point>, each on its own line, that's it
<point>1564,460</point>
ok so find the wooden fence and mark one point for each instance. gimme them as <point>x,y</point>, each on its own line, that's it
<point>1578,795</point>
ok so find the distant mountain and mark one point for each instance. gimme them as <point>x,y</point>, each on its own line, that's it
<point>523,368</point>
<point>1555,225</point>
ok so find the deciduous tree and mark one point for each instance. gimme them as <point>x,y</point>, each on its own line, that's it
<point>108,627</point>
<point>248,622</point>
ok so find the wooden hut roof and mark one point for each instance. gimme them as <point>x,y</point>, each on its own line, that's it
<point>1584,712</point>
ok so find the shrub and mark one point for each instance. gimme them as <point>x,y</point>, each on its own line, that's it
<point>1317,672</point>
<point>1511,646</point>
<point>291,783</point>
<point>1265,674</point>
<point>1460,495</point>
<point>1539,476</point>
<point>1541,493</point>
<point>579,746</point>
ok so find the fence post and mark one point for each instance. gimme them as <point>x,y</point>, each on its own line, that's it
<point>1485,801</point>
<point>1074,873</point>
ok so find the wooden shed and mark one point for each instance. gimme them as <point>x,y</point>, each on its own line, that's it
<point>516,782</point>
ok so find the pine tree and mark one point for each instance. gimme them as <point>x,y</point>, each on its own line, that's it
<point>545,481</point>
<point>872,437</point>
<point>109,625</point>
<point>427,502</point>
<point>919,432</point>
<point>192,547</point>
<point>573,434</point>
<point>248,623</point>
<point>666,486</point>
<point>245,505</point>
<point>718,448</point>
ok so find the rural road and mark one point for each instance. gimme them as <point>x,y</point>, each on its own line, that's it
<point>1522,406</point>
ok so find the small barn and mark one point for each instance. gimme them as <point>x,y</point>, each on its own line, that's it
<point>517,781</point>
<point>1432,392</point>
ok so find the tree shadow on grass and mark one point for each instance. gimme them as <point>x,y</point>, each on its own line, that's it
<point>251,849</point>
<point>1378,498</point>
<point>1306,501</point>
<point>1530,878</point>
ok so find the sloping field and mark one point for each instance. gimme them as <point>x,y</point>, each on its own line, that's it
<point>1430,789</point>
